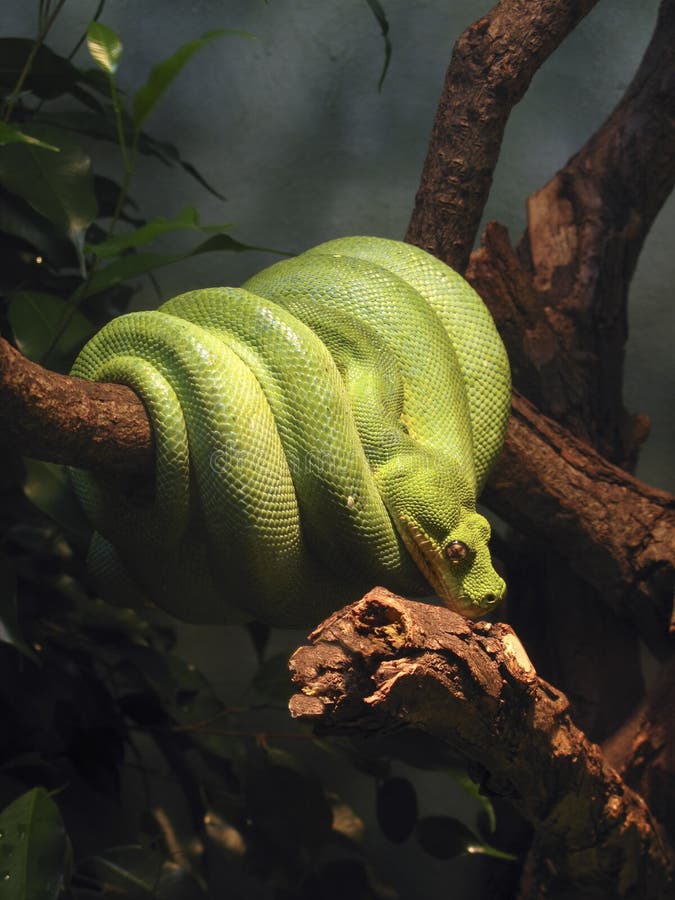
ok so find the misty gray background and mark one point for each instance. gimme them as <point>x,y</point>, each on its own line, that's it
<point>291,128</point>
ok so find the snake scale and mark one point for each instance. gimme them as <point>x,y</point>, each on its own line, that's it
<point>322,429</point>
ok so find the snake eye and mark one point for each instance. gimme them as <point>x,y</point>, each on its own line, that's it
<point>456,551</point>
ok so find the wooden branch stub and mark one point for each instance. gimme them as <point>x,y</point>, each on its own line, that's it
<point>386,662</point>
<point>67,420</point>
<point>492,64</point>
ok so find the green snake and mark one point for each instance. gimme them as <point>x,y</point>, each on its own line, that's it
<point>324,428</point>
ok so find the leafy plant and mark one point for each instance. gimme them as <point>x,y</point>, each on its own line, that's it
<point>60,218</point>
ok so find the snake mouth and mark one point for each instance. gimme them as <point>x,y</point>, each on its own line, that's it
<point>472,610</point>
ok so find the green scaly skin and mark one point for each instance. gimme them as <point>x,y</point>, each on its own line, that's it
<point>325,428</point>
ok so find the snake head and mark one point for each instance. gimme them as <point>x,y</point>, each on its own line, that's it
<point>433,509</point>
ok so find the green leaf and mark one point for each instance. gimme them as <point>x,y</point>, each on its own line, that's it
<point>170,156</point>
<point>259,635</point>
<point>465,781</point>
<point>138,873</point>
<point>35,317</point>
<point>59,186</point>
<point>33,848</point>
<point>129,871</point>
<point>186,219</point>
<point>47,486</point>
<point>11,135</point>
<point>105,621</point>
<point>9,623</point>
<point>205,723</point>
<point>96,80</point>
<point>107,197</point>
<point>273,680</point>
<point>177,689</point>
<point>164,72</point>
<point>21,221</point>
<point>136,264</point>
<point>444,837</point>
<point>50,75</point>
<point>396,808</point>
<point>105,46</point>
<point>378,12</point>
<point>489,850</point>
<point>103,128</point>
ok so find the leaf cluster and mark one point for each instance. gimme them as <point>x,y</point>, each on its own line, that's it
<point>68,268</point>
<point>121,770</point>
<point>104,716</point>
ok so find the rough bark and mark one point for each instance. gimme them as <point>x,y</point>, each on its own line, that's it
<point>615,531</point>
<point>560,301</point>
<point>643,750</point>
<point>68,420</point>
<point>492,65</point>
<point>385,663</point>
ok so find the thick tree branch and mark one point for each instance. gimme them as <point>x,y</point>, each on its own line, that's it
<point>492,65</point>
<point>385,662</point>
<point>643,750</point>
<point>68,420</point>
<point>561,304</point>
<point>615,531</point>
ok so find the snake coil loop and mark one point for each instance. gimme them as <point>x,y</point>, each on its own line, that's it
<point>325,428</point>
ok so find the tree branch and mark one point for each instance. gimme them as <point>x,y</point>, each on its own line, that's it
<point>560,305</point>
<point>69,420</point>
<point>643,750</point>
<point>561,301</point>
<point>385,663</point>
<point>615,531</point>
<point>492,65</point>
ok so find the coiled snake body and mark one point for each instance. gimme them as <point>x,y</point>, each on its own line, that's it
<point>325,428</point>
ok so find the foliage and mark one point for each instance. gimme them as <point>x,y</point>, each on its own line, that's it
<point>98,705</point>
<point>59,215</point>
